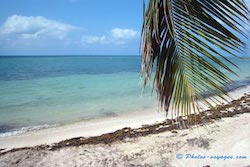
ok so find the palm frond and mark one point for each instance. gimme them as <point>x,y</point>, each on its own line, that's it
<point>188,42</point>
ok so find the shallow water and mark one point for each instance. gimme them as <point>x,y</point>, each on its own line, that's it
<point>38,92</point>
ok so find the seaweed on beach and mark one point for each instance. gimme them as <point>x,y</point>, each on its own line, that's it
<point>239,106</point>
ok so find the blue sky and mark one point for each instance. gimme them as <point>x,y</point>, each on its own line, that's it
<point>66,27</point>
<point>71,27</point>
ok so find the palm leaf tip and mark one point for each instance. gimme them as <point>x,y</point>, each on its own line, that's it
<point>187,43</point>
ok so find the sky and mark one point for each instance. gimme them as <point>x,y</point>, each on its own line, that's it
<point>71,27</point>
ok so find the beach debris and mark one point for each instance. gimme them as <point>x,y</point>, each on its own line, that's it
<point>174,131</point>
<point>209,116</point>
<point>199,142</point>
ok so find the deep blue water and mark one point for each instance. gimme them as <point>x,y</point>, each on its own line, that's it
<point>33,67</point>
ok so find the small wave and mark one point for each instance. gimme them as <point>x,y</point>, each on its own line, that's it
<point>27,129</point>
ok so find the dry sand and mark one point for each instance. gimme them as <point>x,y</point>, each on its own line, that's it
<point>226,137</point>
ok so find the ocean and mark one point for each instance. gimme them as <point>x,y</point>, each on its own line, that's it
<point>44,91</point>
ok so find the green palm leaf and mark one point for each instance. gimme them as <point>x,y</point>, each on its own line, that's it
<point>187,43</point>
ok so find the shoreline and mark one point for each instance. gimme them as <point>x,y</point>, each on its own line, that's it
<point>51,136</point>
<point>152,145</point>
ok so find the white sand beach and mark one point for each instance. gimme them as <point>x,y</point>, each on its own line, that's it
<point>222,143</point>
<point>154,83</point>
<point>225,138</point>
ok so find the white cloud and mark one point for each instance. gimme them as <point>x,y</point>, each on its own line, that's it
<point>118,36</point>
<point>124,33</point>
<point>33,27</point>
<point>95,39</point>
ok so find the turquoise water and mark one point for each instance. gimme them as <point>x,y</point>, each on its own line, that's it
<point>37,92</point>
